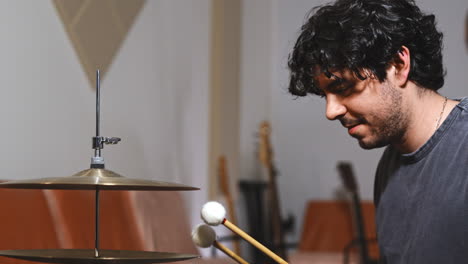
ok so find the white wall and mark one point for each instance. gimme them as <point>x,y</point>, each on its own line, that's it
<point>256,79</point>
<point>154,96</point>
<point>307,146</point>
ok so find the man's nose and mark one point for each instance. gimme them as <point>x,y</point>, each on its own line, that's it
<point>335,108</point>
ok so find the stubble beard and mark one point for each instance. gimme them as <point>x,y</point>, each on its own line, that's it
<point>390,121</point>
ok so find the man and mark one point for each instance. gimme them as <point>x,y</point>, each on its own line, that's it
<point>378,64</point>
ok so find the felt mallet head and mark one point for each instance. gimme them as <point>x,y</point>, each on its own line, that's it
<point>213,213</point>
<point>203,235</point>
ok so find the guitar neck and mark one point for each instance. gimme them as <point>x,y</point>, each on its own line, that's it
<point>278,236</point>
<point>349,181</point>
<point>359,224</point>
<point>266,158</point>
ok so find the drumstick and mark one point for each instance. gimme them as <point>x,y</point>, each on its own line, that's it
<point>213,213</point>
<point>204,236</point>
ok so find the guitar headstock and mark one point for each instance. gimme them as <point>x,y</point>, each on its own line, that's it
<point>264,147</point>
<point>347,176</point>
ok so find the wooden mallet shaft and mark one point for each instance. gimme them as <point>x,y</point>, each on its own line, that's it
<point>252,241</point>
<point>229,252</point>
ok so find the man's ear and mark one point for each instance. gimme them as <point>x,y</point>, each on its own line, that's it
<point>400,66</point>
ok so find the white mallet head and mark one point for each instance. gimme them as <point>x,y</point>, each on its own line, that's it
<point>213,213</point>
<point>203,235</point>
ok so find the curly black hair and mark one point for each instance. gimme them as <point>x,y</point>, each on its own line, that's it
<point>365,36</point>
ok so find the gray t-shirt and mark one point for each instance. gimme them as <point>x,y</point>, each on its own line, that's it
<point>422,197</point>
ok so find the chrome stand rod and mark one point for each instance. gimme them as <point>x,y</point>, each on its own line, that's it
<point>96,237</point>
<point>97,152</point>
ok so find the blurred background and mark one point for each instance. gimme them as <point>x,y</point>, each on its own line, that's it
<point>184,82</point>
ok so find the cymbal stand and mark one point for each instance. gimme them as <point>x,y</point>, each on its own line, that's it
<point>97,161</point>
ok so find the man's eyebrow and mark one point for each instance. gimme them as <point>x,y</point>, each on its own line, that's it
<point>337,81</point>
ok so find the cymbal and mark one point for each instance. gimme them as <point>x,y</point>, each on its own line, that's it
<point>92,179</point>
<point>79,256</point>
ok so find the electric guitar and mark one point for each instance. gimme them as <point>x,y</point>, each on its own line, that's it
<point>266,159</point>
<point>349,181</point>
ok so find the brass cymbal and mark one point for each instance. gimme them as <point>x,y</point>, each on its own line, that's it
<point>80,256</point>
<point>92,179</point>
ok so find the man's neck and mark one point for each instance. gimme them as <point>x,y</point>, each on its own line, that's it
<point>427,110</point>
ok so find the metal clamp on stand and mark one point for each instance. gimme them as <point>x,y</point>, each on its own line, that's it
<point>97,162</point>
<point>98,142</point>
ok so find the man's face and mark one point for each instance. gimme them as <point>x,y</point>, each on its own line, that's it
<point>371,110</point>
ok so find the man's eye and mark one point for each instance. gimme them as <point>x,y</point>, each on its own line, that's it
<point>342,89</point>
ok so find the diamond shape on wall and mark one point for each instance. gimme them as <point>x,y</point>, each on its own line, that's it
<point>97,29</point>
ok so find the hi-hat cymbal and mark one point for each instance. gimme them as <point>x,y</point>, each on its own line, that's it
<point>79,256</point>
<point>92,179</point>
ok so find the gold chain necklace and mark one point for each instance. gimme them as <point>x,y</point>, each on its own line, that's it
<point>441,113</point>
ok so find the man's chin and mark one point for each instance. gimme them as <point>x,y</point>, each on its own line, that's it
<point>371,144</point>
